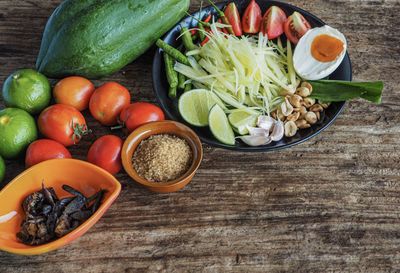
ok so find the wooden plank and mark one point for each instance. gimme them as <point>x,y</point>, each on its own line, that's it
<point>328,205</point>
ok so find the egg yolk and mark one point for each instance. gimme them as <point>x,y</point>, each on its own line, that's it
<point>326,48</point>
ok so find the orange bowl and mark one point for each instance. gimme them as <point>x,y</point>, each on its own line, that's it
<point>155,128</point>
<point>83,176</point>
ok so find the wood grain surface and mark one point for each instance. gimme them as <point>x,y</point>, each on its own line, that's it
<point>328,205</point>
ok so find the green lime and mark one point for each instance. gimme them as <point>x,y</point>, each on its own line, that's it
<point>240,119</point>
<point>2,169</point>
<point>220,127</point>
<point>195,105</point>
<point>27,89</point>
<point>17,131</point>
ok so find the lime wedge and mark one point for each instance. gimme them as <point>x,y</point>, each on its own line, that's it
<point>220,127</point>
<point>241,119</point>
<point>195,105</point>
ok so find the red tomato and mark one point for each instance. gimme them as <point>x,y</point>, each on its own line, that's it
<point>74,91</point>
<point>295,27</point>
<point>108,101</point>
<point>62,123</point>
<point>252,17</point>
<point>273,21</point>
<point>106,153</point>
<point>139,113</point>
<point>232,13</point>
<point>44,149</point>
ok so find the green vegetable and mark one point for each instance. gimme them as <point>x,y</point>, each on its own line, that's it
<point>246,72</point>
<point>188,87</point>
<point>201,32</point>
<point>330,90</point>
<point>187,39</point>
<point>172,92</point>
<point>204,24</point>
<point>188,42</point>
<point>223,18</point>
<point>172,76</point>
<point>95,38</point>
<point>181,81</point>
<point>173,52</point>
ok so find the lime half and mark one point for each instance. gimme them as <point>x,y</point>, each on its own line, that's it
<point>241,119</point>
<point>220,127</point>
<point>195,105</point>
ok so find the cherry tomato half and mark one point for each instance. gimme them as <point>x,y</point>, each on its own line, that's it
<point>108,101</point>
<point>273,21</point>
<point>295,27</point>
<point>44,149</point>
<point>139,113</point>
<point>232,13</point>
<point>62,123</point>
<point>105,152</point>
<point>252,17</point>
<point>74,91</point>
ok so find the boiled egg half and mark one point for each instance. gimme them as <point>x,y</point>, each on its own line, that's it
<point>319,53</point>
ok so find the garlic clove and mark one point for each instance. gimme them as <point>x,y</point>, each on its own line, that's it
<point>265,122</point>
<point>255,131</point>
<point>278,131</point>
<point>256,140</point>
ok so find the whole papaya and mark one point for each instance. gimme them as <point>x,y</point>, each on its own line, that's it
<point>96,38</point>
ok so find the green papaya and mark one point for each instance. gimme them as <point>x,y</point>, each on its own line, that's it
<point>96,38</point>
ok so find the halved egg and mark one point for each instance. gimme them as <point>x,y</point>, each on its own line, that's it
<point>319,53</point>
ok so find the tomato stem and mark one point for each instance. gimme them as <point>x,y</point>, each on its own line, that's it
<point>79,131</point>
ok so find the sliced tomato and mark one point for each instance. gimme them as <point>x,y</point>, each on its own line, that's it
<point>252,17</point>
<point>295,27</point>
<point>273,21</point>
<point>232,13</point>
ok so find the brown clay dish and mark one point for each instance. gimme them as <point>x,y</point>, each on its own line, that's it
<point>156,128</point>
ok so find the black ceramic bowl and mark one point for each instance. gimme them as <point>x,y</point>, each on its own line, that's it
<point>171,106</point>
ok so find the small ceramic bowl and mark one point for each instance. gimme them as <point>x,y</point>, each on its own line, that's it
<point>85,177</point>
<point>156,128</point>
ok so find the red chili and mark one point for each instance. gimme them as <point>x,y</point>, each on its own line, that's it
<point>206,40</point>
<point>193,32</point>
<point>208,18</point>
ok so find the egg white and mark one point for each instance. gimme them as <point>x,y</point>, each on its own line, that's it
<point>306,66</point>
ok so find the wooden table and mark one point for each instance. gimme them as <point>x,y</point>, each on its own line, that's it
<point>328,205</point>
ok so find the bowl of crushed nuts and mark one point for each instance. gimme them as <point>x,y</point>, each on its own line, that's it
<point>162,156</point>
